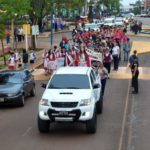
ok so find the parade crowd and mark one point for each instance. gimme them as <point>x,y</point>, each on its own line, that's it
<point>110,42</point>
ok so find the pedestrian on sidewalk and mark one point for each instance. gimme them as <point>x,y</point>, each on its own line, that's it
<point>16,58</point>
<point>25,59</point>
<point>102,71</point>
<point>19,61</point>
<point>11,62</point>
<point>135,74</point>
<point>32,59</point>
<point>8,36</point>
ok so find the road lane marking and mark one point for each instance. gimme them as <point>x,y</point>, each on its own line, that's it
<point>124,118</point>
<point>26,132</point>
<point>131,124</point>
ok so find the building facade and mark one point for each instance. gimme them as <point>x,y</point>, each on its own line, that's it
<point>146,4</point>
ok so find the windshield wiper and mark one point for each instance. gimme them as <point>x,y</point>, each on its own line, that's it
<point>72,88</point>
<point>56,88</point>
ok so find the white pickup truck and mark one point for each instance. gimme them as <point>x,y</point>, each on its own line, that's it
<point>73,94</point>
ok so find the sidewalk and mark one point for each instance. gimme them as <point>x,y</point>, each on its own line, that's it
<point>138,35</point>
<point>40,45</point>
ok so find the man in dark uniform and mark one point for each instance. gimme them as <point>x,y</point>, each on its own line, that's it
<point>132,59</point>
<point>135,74</point>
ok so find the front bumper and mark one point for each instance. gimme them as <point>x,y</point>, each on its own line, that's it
<point>10,100</point>
<point>77,114</point>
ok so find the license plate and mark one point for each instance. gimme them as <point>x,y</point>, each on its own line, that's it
<point>1,100</point>
<point>63,113</point>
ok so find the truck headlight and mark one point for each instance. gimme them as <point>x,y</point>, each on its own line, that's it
<point>85,102</point>
<point>44,102</point>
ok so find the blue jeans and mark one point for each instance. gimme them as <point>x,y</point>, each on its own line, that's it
<point>126,55</point>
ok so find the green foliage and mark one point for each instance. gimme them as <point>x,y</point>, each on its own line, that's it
<point>137,7</point>
<point>2,31</point>
<point>136,10</point>
<point>14,8</point>
<point>111,4</point>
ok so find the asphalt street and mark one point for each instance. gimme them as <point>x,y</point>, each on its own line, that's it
<point>18,126</point>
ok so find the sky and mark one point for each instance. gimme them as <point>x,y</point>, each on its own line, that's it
<point>126,2</point>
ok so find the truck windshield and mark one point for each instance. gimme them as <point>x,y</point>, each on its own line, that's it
<point>69,81</point>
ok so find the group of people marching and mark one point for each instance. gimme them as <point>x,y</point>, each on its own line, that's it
<point>55,58</point>
<point>73,52</point>
<point>18,60</point>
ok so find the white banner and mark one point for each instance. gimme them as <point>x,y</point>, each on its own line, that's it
<point>94,55</point>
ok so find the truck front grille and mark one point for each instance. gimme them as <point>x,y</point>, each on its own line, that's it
<point>64,104</point>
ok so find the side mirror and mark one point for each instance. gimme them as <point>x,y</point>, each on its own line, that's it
<point>43,85</point>
<point>96,86</point>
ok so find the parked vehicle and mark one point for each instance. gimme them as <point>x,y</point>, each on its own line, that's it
<point>148,15</point>
<point>91,26</point>
<point>143,15</point>
<point>15,86</point>
<point>73,94</point>
<point>109,22</point>
<point>98,22</point>
<point>119,22</point>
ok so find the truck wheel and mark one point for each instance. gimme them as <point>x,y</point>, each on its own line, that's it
<point>99,106</point>
<point>32,93</point>
<point>91,125</point>
<point>43,125</point>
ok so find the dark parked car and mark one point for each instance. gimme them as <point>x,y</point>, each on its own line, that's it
<point>15,86</point>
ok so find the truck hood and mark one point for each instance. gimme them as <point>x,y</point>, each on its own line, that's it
<point>67,94</point>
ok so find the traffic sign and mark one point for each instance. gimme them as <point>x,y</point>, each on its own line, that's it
<point>35,30</point>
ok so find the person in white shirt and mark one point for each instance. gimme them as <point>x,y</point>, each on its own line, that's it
<point>16,57</point>
<point>32,59</point>
<point>11,62</point>
<point>115,54</point>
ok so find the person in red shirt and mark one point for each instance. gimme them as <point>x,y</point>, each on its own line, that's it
<point>51,61</point>
<point>83,58</point>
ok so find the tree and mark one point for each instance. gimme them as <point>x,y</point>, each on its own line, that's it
<point>14,9</point>
<point>41,8</point>
<point>137,7</point>
<point>2,35</point>
<point>111,4</point>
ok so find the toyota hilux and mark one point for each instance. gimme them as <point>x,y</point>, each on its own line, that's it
<point>73,94</point>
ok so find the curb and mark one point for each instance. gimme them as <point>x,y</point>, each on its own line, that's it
<point>48,35</point>
<point>142,36</point>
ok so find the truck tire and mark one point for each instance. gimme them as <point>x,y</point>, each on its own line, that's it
<point>91,125</point>
<point>99,106</point>
<point>43,125</point>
